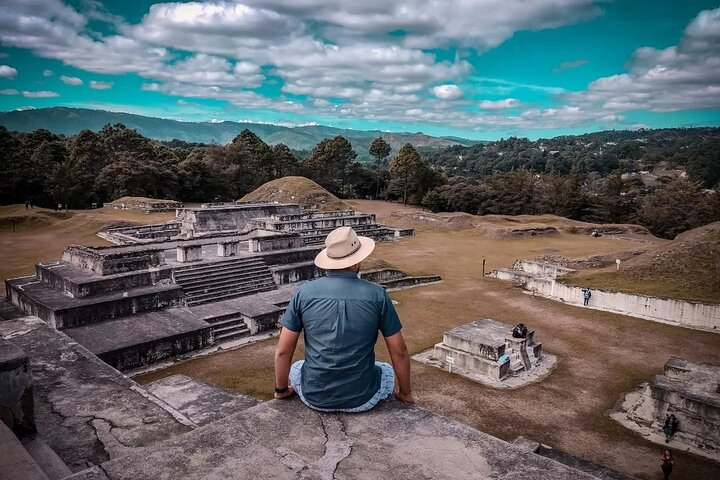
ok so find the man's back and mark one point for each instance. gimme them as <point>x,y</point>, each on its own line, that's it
<point>341,316</point>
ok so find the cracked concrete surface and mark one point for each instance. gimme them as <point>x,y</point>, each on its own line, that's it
<point>86,411</point>
<point>286,440</point>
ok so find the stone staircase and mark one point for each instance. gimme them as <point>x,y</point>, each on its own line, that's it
<point>211,282</point>
<point>228,327</point>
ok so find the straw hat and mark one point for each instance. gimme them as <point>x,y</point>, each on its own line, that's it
<point>343,249</point>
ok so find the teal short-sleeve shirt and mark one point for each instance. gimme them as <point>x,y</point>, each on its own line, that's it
<point>340,316</point>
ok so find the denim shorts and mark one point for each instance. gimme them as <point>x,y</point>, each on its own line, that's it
<point>387,382</point>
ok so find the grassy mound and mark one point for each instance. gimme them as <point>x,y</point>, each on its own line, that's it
<point>296,190</point>
<point>686,268</point>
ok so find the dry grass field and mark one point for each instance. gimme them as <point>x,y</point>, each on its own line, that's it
<point>601,355</point>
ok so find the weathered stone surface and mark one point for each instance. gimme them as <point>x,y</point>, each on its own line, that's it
<point>689,391</point>
<point>85,410</point>
<point>286,440</point>
<point>16,390</point>
<point>485,351</point>
<point>199,401</point>
<point>131,342</point>
<point>15,462</point>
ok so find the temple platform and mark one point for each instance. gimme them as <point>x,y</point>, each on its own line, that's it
<point>688,390</point>
<point>486,352</point>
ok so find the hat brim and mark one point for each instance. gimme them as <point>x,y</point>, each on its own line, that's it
<point>367,245</point>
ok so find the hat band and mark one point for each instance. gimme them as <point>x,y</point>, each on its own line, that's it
<point>345,256</point>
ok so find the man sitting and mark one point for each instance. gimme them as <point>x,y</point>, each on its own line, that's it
<point>341,316</point>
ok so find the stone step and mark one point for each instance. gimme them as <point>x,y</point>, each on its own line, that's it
<point>225,319</point>
<point>224,337</point>
<point>228,277</point>
<point>229,295</point>
<point>230,329</point>
<point>233,323</point>
<point>210,265</point>
<point>213,288</point>
<point>217,267</point>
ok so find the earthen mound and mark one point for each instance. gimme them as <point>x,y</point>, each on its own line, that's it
<point>441,221</point>
<point>299,190</point>
<point>687,268</point>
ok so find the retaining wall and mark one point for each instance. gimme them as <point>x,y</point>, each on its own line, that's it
<point>684,313</point>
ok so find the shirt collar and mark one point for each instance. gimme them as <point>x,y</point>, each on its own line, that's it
<point>341,273</point>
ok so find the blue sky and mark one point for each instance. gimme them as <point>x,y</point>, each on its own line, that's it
<point>481,69</point>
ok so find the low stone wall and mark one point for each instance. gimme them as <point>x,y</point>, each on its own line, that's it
<point>378,276</point>
<point>695,315</point>
<point>155,351</point>
<point>108,263</point>
<point>226,218</point>
<point>410,281</point>
<point>285,274</point>
<point>102,285</point>
<point>541,269</point>
<point>276,242</point>
<point>290,256</point>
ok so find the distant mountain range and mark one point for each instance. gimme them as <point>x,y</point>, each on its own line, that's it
<point>69,121</point>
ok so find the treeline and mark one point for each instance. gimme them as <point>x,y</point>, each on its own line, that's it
<point>579,177</point>
<point>674,205</point>
<point>695,150</point>
<point>97,167</point>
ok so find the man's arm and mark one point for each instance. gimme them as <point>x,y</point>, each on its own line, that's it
<point>401,364</point>
<point>283,358</point>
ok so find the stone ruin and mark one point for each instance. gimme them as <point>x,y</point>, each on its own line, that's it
<point>217,274</point>
<point>66,415</point>
<point>690,391</point>
<point>485,351</point>
<point>142,204</point>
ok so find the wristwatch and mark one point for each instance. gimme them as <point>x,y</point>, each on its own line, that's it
<point>281,390</point>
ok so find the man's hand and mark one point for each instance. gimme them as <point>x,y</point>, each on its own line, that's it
<point>290,392</point>
<point>404,397</point>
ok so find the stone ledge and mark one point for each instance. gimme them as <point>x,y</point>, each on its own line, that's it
<point>286,440</point>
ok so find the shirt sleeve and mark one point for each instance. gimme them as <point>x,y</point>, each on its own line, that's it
<point>292,319</point>
<point>390,322</point>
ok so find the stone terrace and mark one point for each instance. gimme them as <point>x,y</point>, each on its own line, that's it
<point>105,427</point>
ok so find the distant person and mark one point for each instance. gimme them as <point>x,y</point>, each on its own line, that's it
<point>586,296</point>
<point>667,463</point>
<point>341,315</point>
<point>670,427</point>
<point>520,331</point>
<point>27,204</point>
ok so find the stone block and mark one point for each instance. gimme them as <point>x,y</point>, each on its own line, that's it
<point>228,249</point>
<point>16,390</point>
<point>189,253</point>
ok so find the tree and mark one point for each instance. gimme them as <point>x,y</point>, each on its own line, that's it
<point>379,149</point>
<point>673,208</point>
<point>405,170</point>
<point>284,161</point>
<point>329,163</point>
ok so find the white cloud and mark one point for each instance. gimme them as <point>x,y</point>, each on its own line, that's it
<point>22,109</point>
<point>7,71</point>
<point>100,85</point>
<point>447,92</point>
<point>499,104</point>
<point>682,77</point>
<point>9,91</point>
<point>40,94</point>
<point>74,81</point>
<point>48,73</point>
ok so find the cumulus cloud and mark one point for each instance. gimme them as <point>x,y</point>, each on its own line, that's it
<point>7,71</point>
<point>94,84</point>
<point>499,104</point>
<point>9,91</point>
<point>74,81</point>
<point>40,94</point>
<point>685,76</point>
<point>447,92</point>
